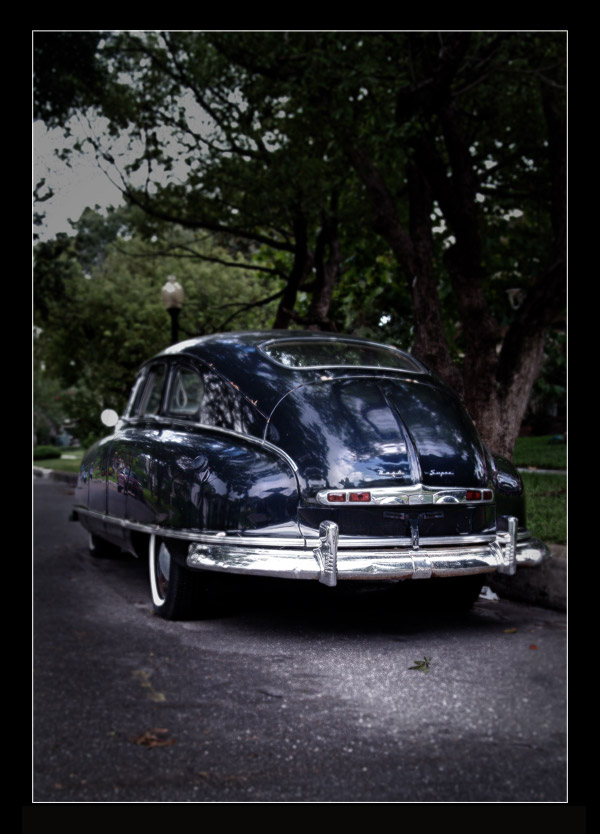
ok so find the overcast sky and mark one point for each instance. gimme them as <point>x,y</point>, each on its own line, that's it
<point>81,185</point>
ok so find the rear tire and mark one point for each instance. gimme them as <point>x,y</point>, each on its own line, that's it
<point>176,590</point>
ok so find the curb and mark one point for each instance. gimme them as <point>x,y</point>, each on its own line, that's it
<point>545,585</point>
<point>55,475</point>
<point>530,470</point>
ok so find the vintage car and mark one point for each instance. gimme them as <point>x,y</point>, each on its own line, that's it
<point>305,455</point>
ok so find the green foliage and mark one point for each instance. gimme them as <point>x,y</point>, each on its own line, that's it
<point>540,453</point>
<point>103,324</point>
<point>55,266</point>
<point>546,497</point>
<point>372,301</point>
<point>67,73</point>
<point>549,392</point>
<point>46,452</point>
<point>50,405</point>
<point>94,231</point>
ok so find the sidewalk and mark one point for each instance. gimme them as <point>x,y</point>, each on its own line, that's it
<point>536,471</point>
<point>545,586</point>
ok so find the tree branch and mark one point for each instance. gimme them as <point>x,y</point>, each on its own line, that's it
<point>168,253</point>
<point>249,306</point>
<point>210,226</point>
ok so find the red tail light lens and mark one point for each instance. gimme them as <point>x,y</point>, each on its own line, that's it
<point>360,496</point>
<point>336,496</point>
<point>487,494</point>
<point>473,495</point>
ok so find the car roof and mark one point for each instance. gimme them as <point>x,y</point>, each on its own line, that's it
<point>238,357</point>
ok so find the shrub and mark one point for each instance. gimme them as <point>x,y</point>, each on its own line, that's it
<point>46,452</point>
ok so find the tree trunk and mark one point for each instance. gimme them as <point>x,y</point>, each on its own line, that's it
<point>327,273</point>
<point>511,402</point>
<point>414,253</point>
<point>302,266</point>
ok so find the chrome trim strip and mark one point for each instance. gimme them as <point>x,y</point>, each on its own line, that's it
<point>236,540</point>
<point>415,494</point>
<point>406,541</point>
<point>191,535</point>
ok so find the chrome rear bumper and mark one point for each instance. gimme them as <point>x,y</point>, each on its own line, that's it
<point>336,558</point>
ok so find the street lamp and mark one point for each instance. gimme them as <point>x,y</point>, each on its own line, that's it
<point>172,297</point>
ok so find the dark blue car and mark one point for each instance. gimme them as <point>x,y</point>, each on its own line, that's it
<point>305,455</point>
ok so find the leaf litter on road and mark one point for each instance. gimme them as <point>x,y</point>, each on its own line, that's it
<point>421,665</point>
<point>151,738</point>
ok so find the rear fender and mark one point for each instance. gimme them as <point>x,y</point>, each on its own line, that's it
<point>509,490</point>
<point>205,480</point>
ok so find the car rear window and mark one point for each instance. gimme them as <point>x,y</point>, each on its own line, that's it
<point>316,354</point>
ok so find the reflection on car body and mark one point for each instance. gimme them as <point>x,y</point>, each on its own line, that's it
<point>301,455</point>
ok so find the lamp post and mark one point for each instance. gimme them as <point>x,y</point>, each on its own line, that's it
<point>172,297</point>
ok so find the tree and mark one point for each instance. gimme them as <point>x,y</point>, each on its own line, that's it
<point>100,317</point>
<point>66,74</point>
<point>452,143</point>
<point>452,162</point>
<point>306,145</point>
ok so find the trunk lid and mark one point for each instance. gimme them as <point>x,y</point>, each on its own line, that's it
<point>360,432</point>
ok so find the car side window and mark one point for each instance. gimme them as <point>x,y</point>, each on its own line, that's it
<point>152,394</point>
<point>194,393</point>
<point>187,394</point>
<point>135,396</point>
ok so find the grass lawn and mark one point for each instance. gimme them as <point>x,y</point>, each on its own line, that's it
<point>68,464</point>
<point>536,451</point>
<point>546,495</point>
<point>546,499</point>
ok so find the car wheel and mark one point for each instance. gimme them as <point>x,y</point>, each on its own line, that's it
<point>101,549</point>
<point>175,589</point>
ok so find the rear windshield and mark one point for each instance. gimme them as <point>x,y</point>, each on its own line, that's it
<point>314,354</point>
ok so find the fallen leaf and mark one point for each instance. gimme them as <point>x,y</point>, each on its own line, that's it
<point>421,665</point>
<point>533,647</point>
<point>510,630</point>
<point>150,739</point>
<point>144,679</point>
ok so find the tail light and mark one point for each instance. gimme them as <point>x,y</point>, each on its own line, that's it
<point>360,496</point>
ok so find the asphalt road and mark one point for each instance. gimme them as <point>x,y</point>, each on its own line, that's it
<point>294,693</point>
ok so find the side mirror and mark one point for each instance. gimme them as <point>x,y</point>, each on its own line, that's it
<point>109,417</point>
